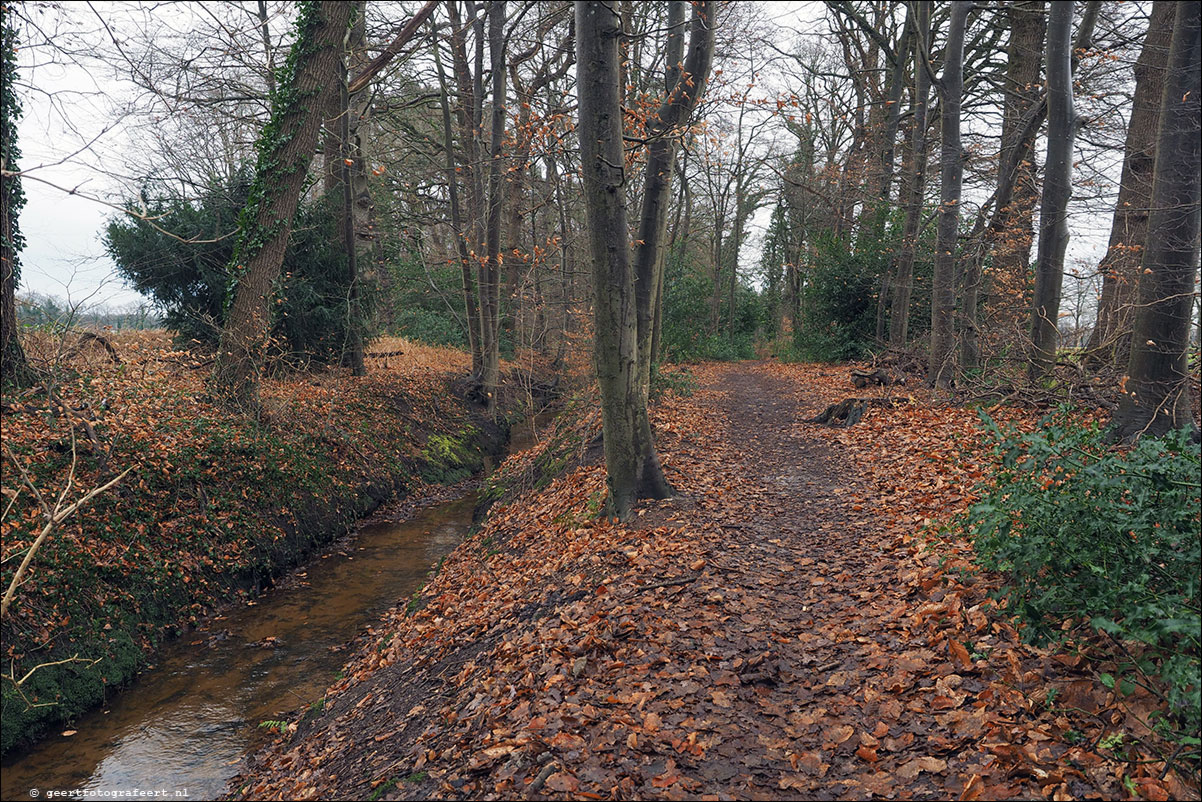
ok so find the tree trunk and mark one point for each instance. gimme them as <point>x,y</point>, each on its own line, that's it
<point>1157,394</point>
<point>1057,188</point>
<point>903,282</point>
<point>490,267</point>
<point>1110,341</point>
<point>657,182</point>
<point>471,312</point>
<point>14,369</point>
<point>351,162</point>
<point>470,111</point>
<point>943,285</point>
<point>632,465</point>
<point>286,149</point>
<point>1009,231</point>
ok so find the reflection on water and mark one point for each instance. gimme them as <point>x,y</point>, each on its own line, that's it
<point>182,727</point>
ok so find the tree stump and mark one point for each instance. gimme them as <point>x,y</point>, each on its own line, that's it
<point>849,411</point>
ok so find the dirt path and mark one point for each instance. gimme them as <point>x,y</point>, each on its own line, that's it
<point>766,635</point>
<point>816,695</point>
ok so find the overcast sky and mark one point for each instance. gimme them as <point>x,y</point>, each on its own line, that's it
<point>69,107</point>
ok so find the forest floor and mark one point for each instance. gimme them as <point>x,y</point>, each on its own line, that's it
<point>793,625</point>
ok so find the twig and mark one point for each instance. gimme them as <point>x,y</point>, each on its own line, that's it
<point>59,515</point>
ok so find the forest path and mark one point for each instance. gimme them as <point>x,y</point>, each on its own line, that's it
<point>777,631</point>
<point>815,664</point>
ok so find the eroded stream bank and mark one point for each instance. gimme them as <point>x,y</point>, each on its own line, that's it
<point>184,726</point>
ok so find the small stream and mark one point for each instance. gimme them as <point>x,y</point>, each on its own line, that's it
<point>180,730</point>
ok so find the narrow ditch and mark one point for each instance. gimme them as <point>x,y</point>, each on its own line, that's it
<point>180,730</point>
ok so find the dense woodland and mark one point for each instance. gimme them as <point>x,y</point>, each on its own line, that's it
<point>995,205</point>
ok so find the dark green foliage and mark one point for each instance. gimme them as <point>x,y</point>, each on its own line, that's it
<point>839,298</point>
<point>426,303</point>
<point>778,250</point>
<point>686,315</point>
<point>1084,533</point>
<point>188,280</point>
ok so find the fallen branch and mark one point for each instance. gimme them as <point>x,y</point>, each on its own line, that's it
<point>53,518</point>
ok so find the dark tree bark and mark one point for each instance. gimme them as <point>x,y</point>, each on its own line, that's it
<point>286,148</point>
<point>1156,397</point>
<point>458,229</point>
<point>490,268</point>
<point>912,187</point>
<point>1057,188</point>
<point>681,94</point>
<point>1110,341</point>
<point>943,285</point>
<point>343,161</point>
<point>631,462</point>
<point>14,369</point>
<point>470,111</point>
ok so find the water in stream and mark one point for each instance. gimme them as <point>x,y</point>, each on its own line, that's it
<point>182,728</point>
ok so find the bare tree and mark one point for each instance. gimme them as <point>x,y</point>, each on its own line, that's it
<point>1057,187</point>
<point>943,285</point>
<point>913,181</point>
<point>1156,397</point>
<point>1110,339</point>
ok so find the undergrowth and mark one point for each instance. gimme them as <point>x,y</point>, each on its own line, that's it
<point>1096,542</point>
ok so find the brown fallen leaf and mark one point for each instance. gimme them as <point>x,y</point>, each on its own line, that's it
<point>866,754</point>
<point>959,654</point>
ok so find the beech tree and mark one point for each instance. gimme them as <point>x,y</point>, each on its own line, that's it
<point>1057,187</point>
<point>913,181</point>
<point>1156,397</point>
<point>943,300</point>
<point>1110,341</point>
<point>631,461</point>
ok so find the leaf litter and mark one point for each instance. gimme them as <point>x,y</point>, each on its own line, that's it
<point>784,628</point>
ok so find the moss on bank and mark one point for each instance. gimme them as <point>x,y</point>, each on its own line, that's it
<point>216,507</point>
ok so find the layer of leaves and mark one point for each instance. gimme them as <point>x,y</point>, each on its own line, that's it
<point>782,629</point>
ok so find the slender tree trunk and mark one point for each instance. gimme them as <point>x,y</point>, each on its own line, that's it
<point>1156,398</point>
<point>1110,341</point>
<point>286,149</point>
<point>1008,232</point>
<point>490,269</point>
<point>350,161</point>
<point>632,464</point>
<point>661,160</point>
<point>888,149</point>
<point>470,111</point>
<point>899,311</point>
<point>471,312</point>
<point>1057,188</point>
<point>943,285</point>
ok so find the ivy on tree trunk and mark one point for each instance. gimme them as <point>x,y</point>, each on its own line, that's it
<point>285,151</point>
